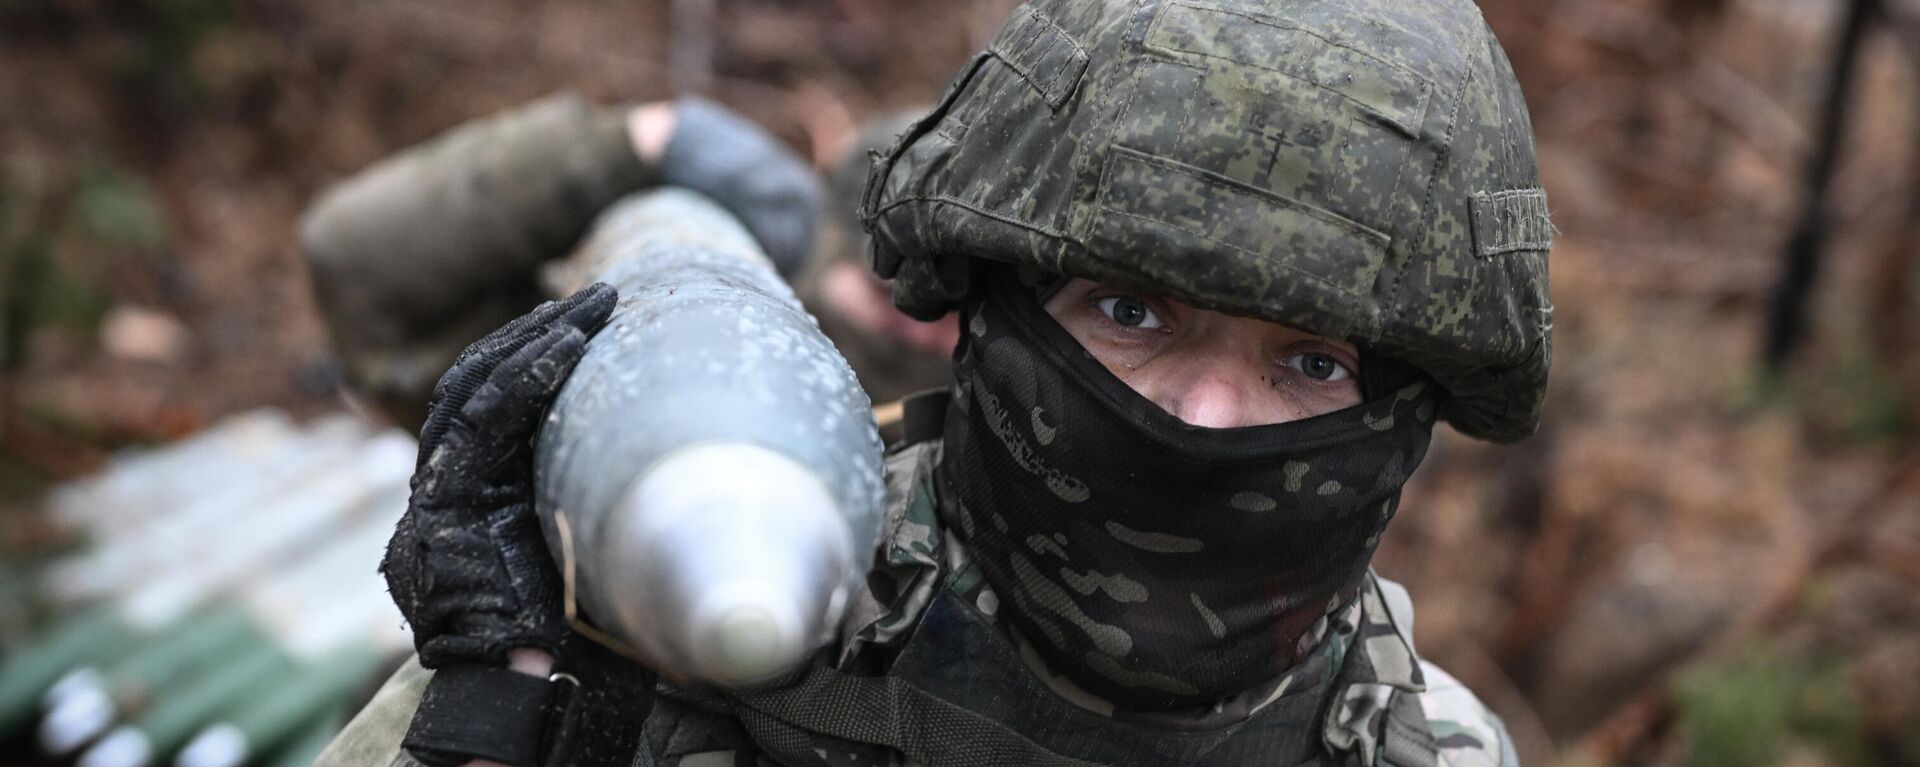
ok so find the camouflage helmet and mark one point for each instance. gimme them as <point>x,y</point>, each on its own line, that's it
<point>1362,170</point>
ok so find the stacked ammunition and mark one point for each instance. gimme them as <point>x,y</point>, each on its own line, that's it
<point>228,610</point>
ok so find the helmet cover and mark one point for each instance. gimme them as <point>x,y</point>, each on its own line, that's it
<point>1361,170</point>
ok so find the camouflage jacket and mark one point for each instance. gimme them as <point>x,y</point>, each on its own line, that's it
<point>922,576</point>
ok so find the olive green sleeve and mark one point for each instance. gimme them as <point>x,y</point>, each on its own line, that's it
<point>372,738</point>
<point>425,251</point>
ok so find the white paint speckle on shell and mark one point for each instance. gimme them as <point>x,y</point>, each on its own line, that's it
<point>702,321</point>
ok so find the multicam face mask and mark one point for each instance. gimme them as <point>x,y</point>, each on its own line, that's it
<point>1155,563</point>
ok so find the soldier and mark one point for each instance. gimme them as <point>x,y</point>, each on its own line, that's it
<point>893,354</point>
<point>1219,267</point>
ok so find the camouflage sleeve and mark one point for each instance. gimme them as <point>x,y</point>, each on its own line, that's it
<point>1468,733</point>
<point>421,253</point>
<point>372,738</point>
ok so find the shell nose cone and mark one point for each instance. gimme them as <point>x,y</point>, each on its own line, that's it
<point>747,645</point>
<point>741,561</point>
<point>124,747</point>
<point>77,719</point>
<point>222,745</point>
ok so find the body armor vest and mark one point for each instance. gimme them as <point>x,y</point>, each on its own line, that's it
<point>958,693</point>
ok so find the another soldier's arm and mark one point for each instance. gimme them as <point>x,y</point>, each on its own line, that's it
<point>425,251</point>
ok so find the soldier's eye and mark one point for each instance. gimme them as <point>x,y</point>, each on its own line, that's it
<point>1129,312</point>
<point>1319,366</point>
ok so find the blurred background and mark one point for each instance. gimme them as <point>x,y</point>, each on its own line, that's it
<point>1709,555</point>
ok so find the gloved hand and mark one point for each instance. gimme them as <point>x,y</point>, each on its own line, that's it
<point>725,157</point>
<point>468,564</point>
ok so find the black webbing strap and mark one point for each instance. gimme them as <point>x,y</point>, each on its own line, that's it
<point>1408,738</point>
<point>498,714</point>
<point>924,415</point>
<point>888,711</point>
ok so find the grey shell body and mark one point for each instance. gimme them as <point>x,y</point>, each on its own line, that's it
<point>707,346</point>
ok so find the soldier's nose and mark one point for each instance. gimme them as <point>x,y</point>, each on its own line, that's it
<point>1210,400</point>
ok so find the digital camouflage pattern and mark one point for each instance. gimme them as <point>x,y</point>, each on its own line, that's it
<point>1362,170</point>
<point>917,561</point>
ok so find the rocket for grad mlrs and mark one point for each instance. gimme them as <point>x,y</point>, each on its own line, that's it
<point>709,477</point>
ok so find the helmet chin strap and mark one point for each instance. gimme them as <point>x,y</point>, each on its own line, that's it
<point>1381,375</point>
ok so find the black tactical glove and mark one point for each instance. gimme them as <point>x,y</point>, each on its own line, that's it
<point>725,157</point>
<point>468,564</point>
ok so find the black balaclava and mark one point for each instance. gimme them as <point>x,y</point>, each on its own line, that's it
<point>1155,563</point>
